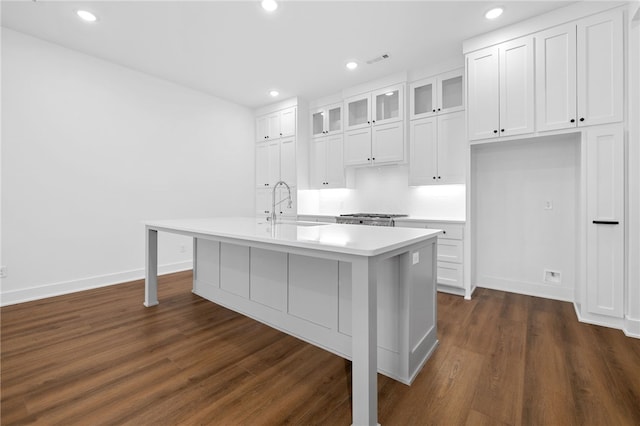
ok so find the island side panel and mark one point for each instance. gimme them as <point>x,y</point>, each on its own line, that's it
<point>422,302</point>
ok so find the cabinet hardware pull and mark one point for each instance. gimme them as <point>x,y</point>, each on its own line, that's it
<point>434,177</point>
<point>606,222</point>
<point>573,120</point>
<point>438,177</point>
<point>581,118</point>
<point>368,122</point>
<point>434,110</point>
<point>495,131</point>
<point>438,109</point>
<point>374,121</point>
<point>502,130</point>
<point>374,158</point>
<point>368,159</point>
<point>444,232</point>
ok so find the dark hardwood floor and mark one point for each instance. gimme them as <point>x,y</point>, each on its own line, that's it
<point>100,357</point>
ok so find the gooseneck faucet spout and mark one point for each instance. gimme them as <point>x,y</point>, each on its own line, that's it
<point>273,200</point>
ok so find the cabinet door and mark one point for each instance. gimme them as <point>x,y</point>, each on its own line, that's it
<point>262,128</point>
<point>273,155</point>
<point>273,124</point>
<point>452,148</point>
<point>287,122</point>
<point>262,165</point>
<point>423,163</point>
<point>482,94</point>
<point>556,78</point>
<point>263,201</point>
<point>333,119</point>
<point>516,87</point>
<point>605,226</point>
<point>387,143</point>
<point>422,98</point>
<point>288,160</point>
<point>450,92</point>
<point>357,147</point>
<point>334,177</point>
<point>318,122</point>
<point>600,68</point>
<point>388,105</point>
<point>358,110</point>
<point>318,163</point>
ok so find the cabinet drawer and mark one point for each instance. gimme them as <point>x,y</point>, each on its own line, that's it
<point>450,274</point>
<point>450,250</point>
<point>452,231</point>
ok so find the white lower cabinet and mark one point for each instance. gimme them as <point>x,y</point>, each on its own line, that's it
<point>605,221</point>
<point>450,251</point>
<point>438,149</point>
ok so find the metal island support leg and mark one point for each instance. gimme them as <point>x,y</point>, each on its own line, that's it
<point>151,268</point>
<point>364,342</point>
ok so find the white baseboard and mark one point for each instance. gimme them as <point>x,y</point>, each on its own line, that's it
<point>631,327</point>
<point>530,289</point>
<point>57,289</point>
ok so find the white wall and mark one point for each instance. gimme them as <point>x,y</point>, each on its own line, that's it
<point>89,150</point>
<point>516,237</point>
<point>386,190</point>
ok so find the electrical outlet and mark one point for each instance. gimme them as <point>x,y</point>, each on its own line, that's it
<point>3,271</point>
<point>416,257</point>
<point>550,276</point>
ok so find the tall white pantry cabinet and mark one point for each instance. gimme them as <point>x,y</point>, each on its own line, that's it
<point>277,156</point>
<point>566,75</point>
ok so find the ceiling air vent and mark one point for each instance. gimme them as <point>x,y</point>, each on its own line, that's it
<point>378,58</point>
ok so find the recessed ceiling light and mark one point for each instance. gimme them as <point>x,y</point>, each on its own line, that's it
<point>274,93</point>
<point>87,16</point>
<point>269,5</point>
<point>493,13</point>
<point>352,65</point>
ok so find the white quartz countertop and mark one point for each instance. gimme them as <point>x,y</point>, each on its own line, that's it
<point>350,239</point>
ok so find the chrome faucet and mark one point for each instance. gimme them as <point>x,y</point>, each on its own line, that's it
<point>273,200</point>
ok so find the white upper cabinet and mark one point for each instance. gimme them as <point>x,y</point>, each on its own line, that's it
<point>375,108</point>
<point>590,93</point>
<point>483,97</point>
<point>326,120</point>
<point>327,166</point>
<point>501,90</point>
<point>374,128</point>
<point>276,160</point>
<point>438,150</point>
<point>440,94</point>
<point>600,69</point>
<point>556,78</point>
<point>276,125</point>
<point>516,87</point>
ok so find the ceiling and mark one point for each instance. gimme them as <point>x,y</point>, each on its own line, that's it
<point>237,51</point>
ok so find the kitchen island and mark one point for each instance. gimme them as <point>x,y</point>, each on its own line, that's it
<point>364,293</point>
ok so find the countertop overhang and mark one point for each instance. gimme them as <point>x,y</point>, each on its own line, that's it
<point>338,238</point>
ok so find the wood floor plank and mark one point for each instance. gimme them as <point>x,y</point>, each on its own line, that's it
<point>100,357</point>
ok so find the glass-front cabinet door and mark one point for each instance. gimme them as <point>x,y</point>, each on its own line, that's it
<point>326,120</point>
<point>317,122</point>
<point>437,95</point>
<point>388,105</point>
<point>422,98</point>
<point>358,112</point>
<point>450,92</point>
